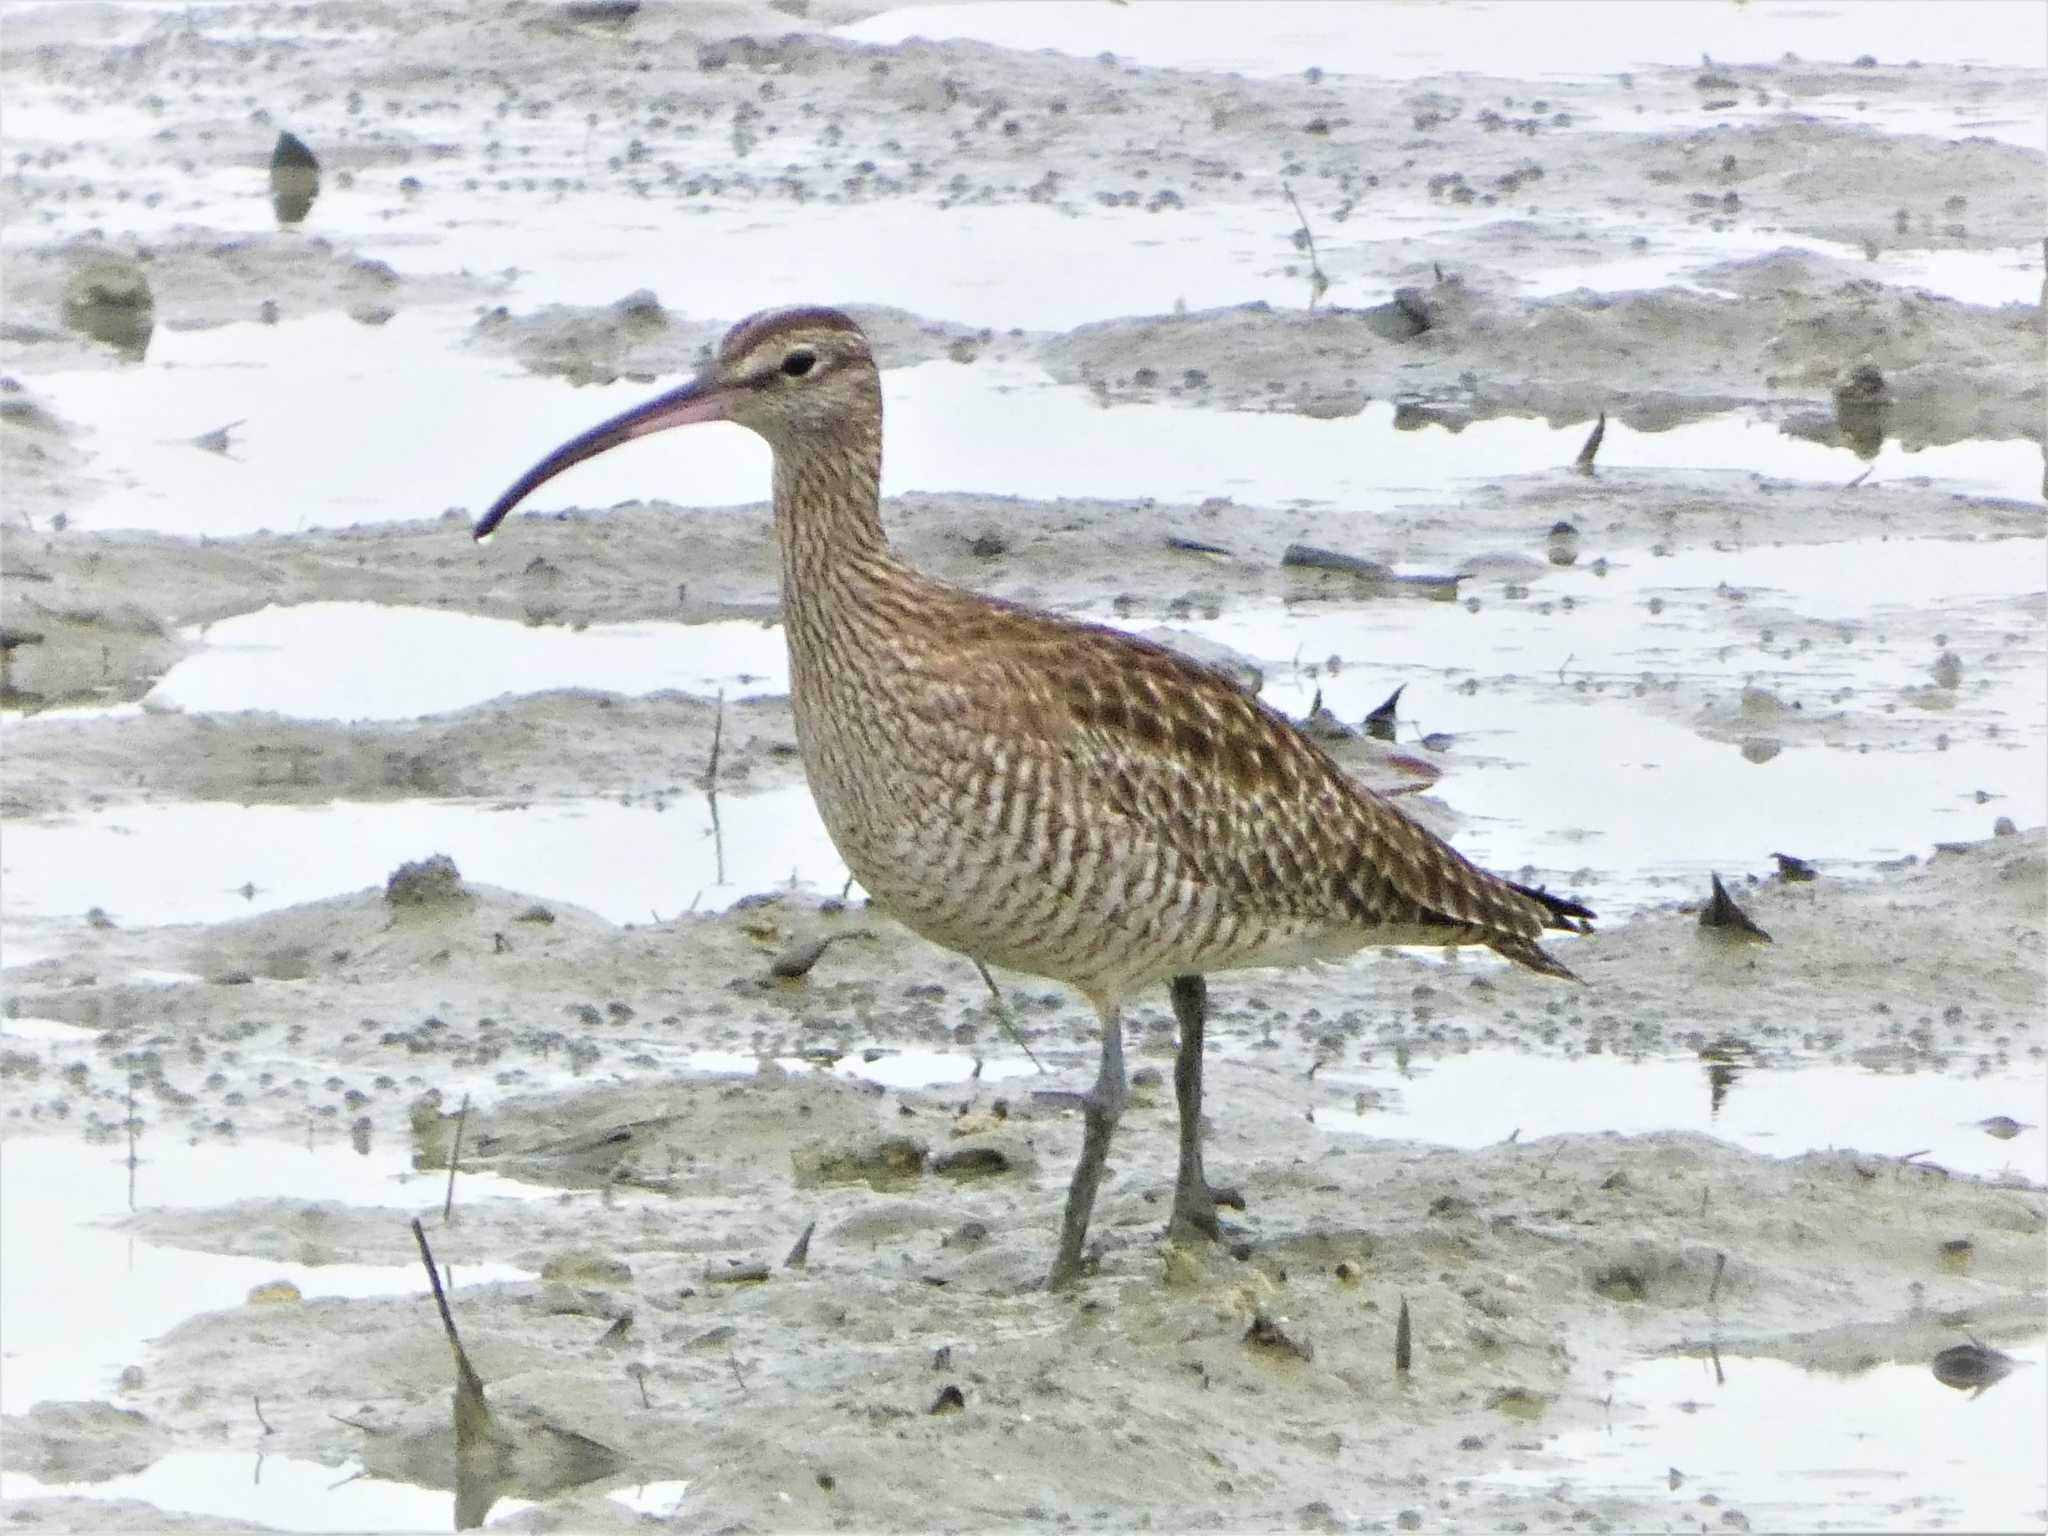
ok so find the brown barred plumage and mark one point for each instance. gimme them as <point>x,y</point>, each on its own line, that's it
<point>1052,796</point>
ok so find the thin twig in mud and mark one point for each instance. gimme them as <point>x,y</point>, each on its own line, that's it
<point>1544,1172</point>
<point>717,739</point>
<point>717,840</point>
<point>1720,1265</point>
<point>368,1429</point>
<point>1860,478</point>
<point>733,1360</point>
<point>711,788</point>
<point>258,1401</point>
<point>1404,1343</point>
<point>133,1160</point>
<point>1569,658</point>
<point>1319,281</point>
<point>455,1161</point>
<point>1003,1017</point>
<point>1704,1195</point>
<point>1583,464</point>
<point>1714,1353</point>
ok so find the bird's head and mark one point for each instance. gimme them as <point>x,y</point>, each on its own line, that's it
<point>790,375</point>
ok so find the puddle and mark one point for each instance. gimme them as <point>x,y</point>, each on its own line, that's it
<point>2011,275</point>
<point>10,718</point>
<point>1514,39</point>
<point>277,1492</point>
<point>1889,1448</point>
<point>893,1068</point>
<point>1534,40</point>
<point>34,1031</point>
<point>655,1501</point>
<point>361,661</point>
<point>1480,1099</point>
<point>288,1494</point>
<point>188,862</point>
<point>953,428</point>
<point>78,1301</point>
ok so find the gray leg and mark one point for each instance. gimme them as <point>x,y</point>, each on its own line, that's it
<point>1194,1207</point>
<point>1101,1107</point>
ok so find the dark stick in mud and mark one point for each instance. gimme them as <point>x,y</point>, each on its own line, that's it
<point>1584,462</point>
<point>802,1251</point>
<point>711,787</point>
<point>469,1385</point>
<point>717,740</point>
<point>455,1160</point>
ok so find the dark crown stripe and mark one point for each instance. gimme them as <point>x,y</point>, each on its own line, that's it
<point>758,330</point>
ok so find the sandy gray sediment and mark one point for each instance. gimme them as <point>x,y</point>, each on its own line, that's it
<point>1531,1266</point>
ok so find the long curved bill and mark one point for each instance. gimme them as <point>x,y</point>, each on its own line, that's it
<point>698,400</point>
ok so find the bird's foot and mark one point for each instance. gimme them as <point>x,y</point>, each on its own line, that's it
<point>1068,1269</point>
<point>1194,1212</point>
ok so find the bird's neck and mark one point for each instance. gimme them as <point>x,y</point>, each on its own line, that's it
<point>828,494</point>
<point>837,566</point>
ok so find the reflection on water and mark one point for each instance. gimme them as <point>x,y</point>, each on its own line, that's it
<point>278,1492</point>
<point>1486,1097</point>
<point>79,1301</point>
<point>1884,1448</point>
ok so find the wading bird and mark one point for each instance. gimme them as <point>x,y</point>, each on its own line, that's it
<point>1056,797</point>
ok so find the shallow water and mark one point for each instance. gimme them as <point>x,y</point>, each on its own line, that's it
<point>189,862</point>
<point>954,428</point>
<point>1486,1097</point>
<point>283,1493</point>
<point>1518,39</point>
<point>359,661</point>
<point>1884,1449</point>
<point>78,1301</point>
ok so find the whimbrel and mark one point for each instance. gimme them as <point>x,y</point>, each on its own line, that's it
<point>1056,797</point>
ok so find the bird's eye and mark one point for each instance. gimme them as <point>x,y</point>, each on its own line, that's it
<point>797,364</point>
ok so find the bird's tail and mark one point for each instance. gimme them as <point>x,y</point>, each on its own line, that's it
<point>1561,914</point>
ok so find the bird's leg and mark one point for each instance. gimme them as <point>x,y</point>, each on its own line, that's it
<point>1194,1207</point>
<point>1101,1106</point>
